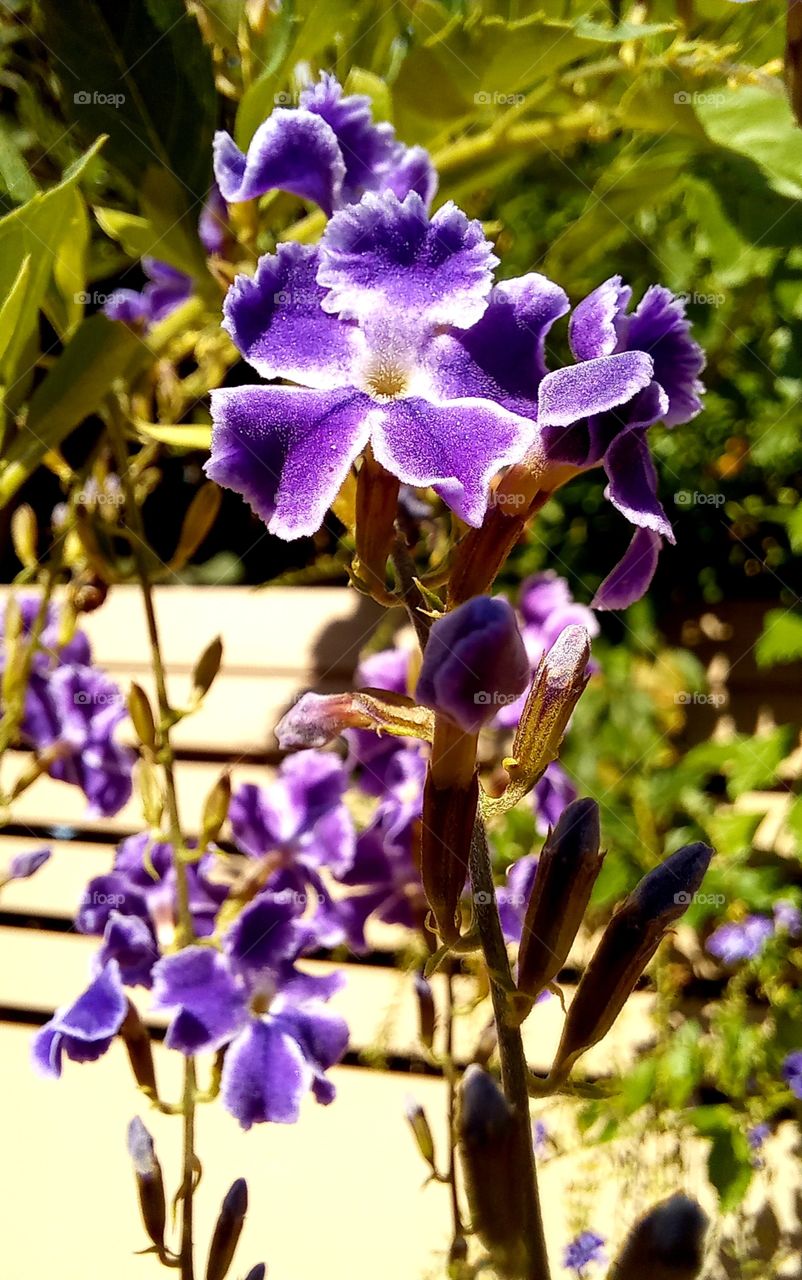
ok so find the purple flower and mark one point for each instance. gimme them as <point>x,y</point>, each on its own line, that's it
<point>552,794</point>
<point>25,865</point>
<point>740,940</point>
<point>372,753</point>
<point>540,1139</point>
<point>302,821</point>
<point>788,917</point>
<point>388,332</point>
<point>513,896</point>
<point>52,650</point>
<point>601,327</point>
<point>757,1135</point>
<point>213,228</point>
<point>474,660</point>
<point>83,1030</point>
<point>167,288</point>
<point>584,1251</point>
<point>327,149</point>
<point>792,1073</point>
<point>280,1037</point>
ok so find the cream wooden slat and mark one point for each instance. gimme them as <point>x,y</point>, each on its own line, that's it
<point>276,629</point>
<point>40,971</point>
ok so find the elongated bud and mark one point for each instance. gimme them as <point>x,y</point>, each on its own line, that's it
<point>141,715</point>
<point>486,1132</point>
<point>566,873</point>
<point>206,669</point>
<point>316,719</point>
<point>376,504</point>
<point>446,833</point>
<point>421,1132</point>
<point>150,792</point>
<point>557,687</point>
<point>215,809</point>
<point>198,521</point>
<point>25,535</point>
<point>627,945</point>
<point>228,1230</point>
<point>258,1272</point>
<point>149,1181</point>
<point>427,1016</point>
<point>139,1049</point>
<point>667,1244</point>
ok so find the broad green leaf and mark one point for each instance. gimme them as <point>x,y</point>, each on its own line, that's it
<point>137,70</point>
<point>781,639</point>
<point>757,123</point>
<point>36,230</point>
<point>14,172</point>
<point>64,304</point>
<point>190,436</point>
<point>11,308</point>
<point>101,351</point>
<point>729,1167</point>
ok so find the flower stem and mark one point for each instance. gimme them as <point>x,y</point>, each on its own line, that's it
<point>514,1071</point>
<point>185,932</point>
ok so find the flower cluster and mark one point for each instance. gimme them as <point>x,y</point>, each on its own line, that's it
<point>746,939</point>
<point>72,710</point>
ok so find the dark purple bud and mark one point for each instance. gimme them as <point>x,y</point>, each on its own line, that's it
<point>228,1230</point>
<point>135,1036</point>
<point>627,945</point>
<point>446,834</point>
<point>667,1244</point>
<point>566,873</point>
<point>474,663</point>
<point>376,506</point>
<point>486,1132</point>
<point>258,1272</point>
<point>149,1181</point>
<point>427,1016</point>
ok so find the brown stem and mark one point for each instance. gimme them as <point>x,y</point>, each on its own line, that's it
<point>410,592</point>
<point>514,1071</point>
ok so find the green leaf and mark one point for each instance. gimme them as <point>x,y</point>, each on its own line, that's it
<point>621,32</point>
<point>729,1167</point>
<point>137,70</point>
<point>14,172</point>
<point>757,123</point>
<point>101,351</point>
<point>11,308</point>
<point>64,304</point>
<point>190,436</point>
<point>780,640</point>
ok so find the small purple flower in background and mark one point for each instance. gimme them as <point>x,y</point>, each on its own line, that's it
<point>24,865</point>
<point>280,1037</point>
<point>372,753</point>
<point>792,1073</point>
<point>85,1029</point>
<point>602,327</point>
<point>756,1137</point>
<point>213,229</point>
<point>513,896</point>
<point>392,336</point>
<point>584,1251</point>
<point>166,289</point>
<point>540,1139</point>
<point>327,149</point>
<point>788,918</point>
<point>740,940</point>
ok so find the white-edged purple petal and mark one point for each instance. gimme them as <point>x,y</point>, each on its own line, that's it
<point>295,151</point>
<point>409,169</point>
<point>323,1037</point>
<point>385,253</point>
<point>131,942</point>
<point>265,1075</point>
<point>632,484</point>
<point>85,1029</point>
<point>660,327</point>
<point>594,326</point>
<point>457,447</point>
<point>275,319</point>
<point>595,386</point>
<point>502,356</point>
<point>286,450</point>
<point>631,577</point>
<point>264,934</point>
<point>209,1005</point>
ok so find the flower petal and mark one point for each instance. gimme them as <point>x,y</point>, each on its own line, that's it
<point>264,934</point>
<point>632,575</point>
<point>286,450</point>
<point>276,320</point>
<point>385,253</point>
<point>295,151</point>
<point>659,326</point>
<point>593,329</point>
<point>265,1075</point>
<point>595,386</point>
<point>457,447</point>
<point>210,1005</point>
<point>633,483</point>
<point>501,357</point>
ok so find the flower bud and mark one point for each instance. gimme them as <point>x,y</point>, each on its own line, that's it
<point>206,669</point>
<point>421,1132</point>
<point>215,809</point>
<point>24,865</point>
<point>427,1015</point>
<point>316,719</point>
<point>627,945</point>
<point>135,1036</point>
<point>667,1244</point>
<point>557,687</point>
<point>201,515</point>
<point>566,873</point>
<point>474,662</point>
<point>149,1181</point>
<point>25,535</point>
<point>486,1133</point>
<point>258,1272</point>
<point>139,710</point>
<point>227,1231</point>
<point>446,833</point>
<point>150,792</point>
<point>376,505</point>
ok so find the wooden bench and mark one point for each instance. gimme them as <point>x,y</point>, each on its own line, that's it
<point>340,1194</point>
